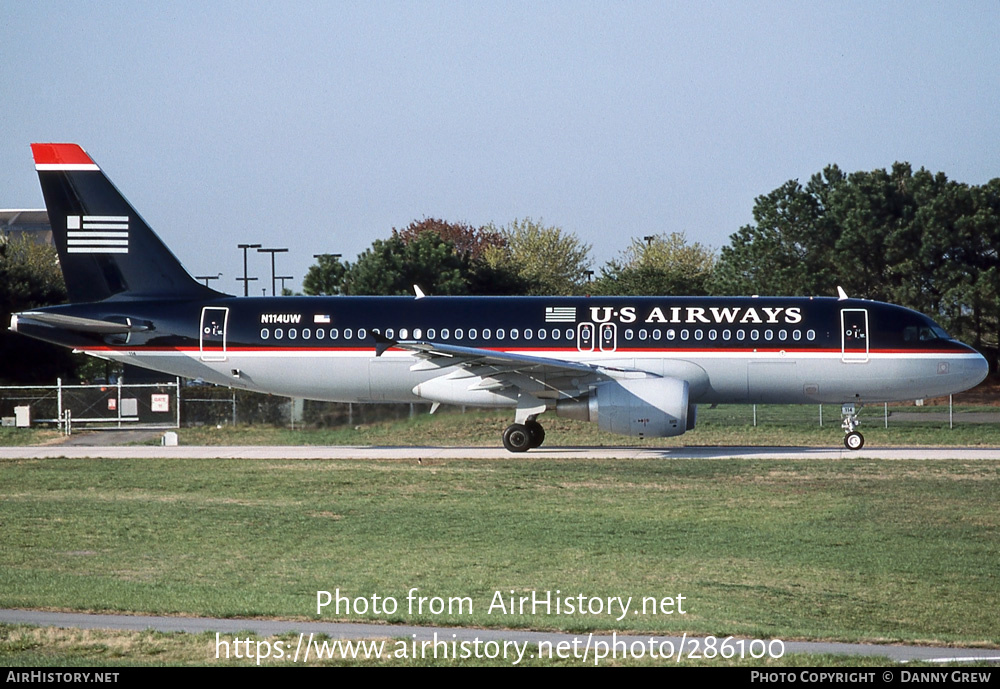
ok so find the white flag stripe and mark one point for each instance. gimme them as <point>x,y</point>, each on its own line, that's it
<point>98,242</point>
<point>105,218</point>
<point>97,250</point>
<point>104,226</point>
<point>121,235</point>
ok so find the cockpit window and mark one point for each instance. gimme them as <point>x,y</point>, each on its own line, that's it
<point>924,333</point>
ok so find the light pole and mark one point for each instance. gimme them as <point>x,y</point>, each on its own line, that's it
<point>245,279</point>
<point>273,276</point>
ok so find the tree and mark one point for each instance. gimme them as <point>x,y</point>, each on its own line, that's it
<point>912,238</point>
<point>784,252</point>
<point>548,260</point>
<point>440,257</point>
<point>472,244</point>
<point>392,266</point>
<point>326,277</point>
<point>665,264</point>
<point>468,241</point>
<point>29,278</point>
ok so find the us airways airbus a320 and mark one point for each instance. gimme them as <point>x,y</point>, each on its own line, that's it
<point>635,366</point>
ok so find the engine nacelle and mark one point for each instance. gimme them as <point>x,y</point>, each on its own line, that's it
<point>643,407</point>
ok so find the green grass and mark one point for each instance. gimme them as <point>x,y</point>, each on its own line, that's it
<point>852,550</point>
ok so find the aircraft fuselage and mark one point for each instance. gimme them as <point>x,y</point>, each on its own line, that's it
<point>730,350</point>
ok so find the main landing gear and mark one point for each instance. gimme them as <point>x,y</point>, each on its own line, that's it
<point>853,440</point>
<point>521,437</point>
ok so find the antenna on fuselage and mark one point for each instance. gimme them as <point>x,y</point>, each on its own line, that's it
<point>841,294</point>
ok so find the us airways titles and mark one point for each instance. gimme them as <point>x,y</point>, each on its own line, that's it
<point>700,314</point>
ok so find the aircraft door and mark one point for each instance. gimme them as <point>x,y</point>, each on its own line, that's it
<point>585,337</point>
<point>609,337</point>
<point>212,339</point>
<point>854,335</point>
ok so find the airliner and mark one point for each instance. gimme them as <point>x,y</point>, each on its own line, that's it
<point>635,366</point>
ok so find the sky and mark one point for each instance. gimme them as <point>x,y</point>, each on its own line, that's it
<point>321,126</point>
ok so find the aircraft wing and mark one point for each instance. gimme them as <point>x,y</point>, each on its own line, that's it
<point>487,370</point>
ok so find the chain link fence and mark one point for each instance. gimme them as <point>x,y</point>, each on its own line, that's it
<point>174,404</point>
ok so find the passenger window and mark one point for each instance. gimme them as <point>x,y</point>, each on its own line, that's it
<point>417,333</point>
<point>320,334</point>
<point>811,335</point>
<point>570,334</point>
<point>403,333</point>
<point>458,333</point>
<point>628,333</point>
<point>334,333</point>
<point>698,335</point>
<point>278,333</point>
<point>486,333</point>
<point>445,333</point>
<point>499,333</point>
<point>361,333</point>
<point>348,333</point>
<point>685,334</point>
<point>513,333</point>
<point>264,333</point>
<point>527,333</point>
<point>306,333</point>
<point>389,332</point>
<point>670,334</point>
<point>431,332</point>
<point>656,334</point>
<point>292,333</point>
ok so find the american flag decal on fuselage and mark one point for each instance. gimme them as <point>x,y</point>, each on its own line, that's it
<point>97,234</point>
<point>560,314</point>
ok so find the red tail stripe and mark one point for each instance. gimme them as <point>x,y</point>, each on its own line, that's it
<point>60,154</point>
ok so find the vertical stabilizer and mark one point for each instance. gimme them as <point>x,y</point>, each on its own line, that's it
<point>105,248</point>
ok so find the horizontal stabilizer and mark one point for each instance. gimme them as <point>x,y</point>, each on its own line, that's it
<point>77,323</point>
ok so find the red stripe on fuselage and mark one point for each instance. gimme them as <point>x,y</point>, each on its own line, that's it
<point>569,350</point>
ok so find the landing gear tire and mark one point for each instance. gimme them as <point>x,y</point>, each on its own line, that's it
<point>536,433</point>
<point>517,438</point>
<point>854,441</point>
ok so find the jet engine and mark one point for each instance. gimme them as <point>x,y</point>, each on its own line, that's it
<point>642,407</point>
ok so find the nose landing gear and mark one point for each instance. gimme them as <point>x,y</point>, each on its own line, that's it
<point>853,440</point>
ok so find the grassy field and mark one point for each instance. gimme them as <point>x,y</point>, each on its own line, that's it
<point>851,550</point>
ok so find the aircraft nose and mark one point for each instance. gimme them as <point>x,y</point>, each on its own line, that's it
<point>974,370</point>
